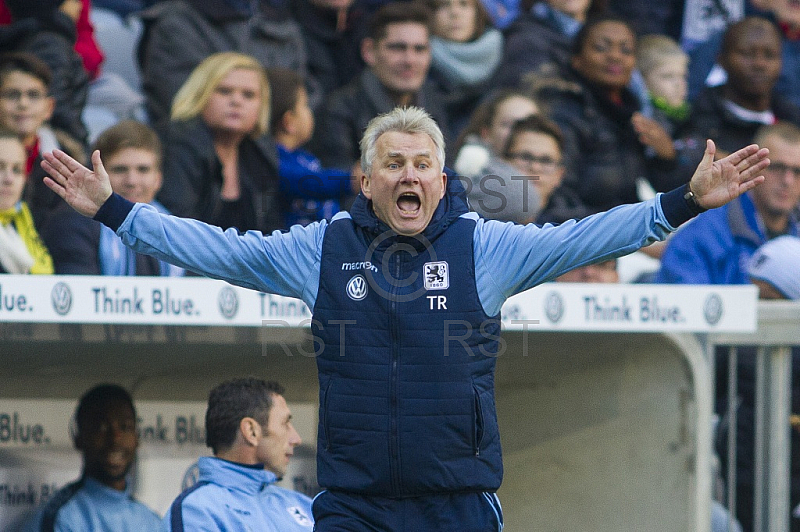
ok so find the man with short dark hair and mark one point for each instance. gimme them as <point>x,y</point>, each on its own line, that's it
<point>249,429</point>
<point>81,246</point>
<point>397,53</point>
<point>99,501</point>
<point>733,112</point>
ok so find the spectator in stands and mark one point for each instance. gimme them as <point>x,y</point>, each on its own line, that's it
<point>249,429</point>
<point>486,134</point>
<point>85,44</point>
<point>109,97</point>
<point>491,122</point>
<point>100,501</point>
<point>496,189</point>
<point>49,31</point>
<point>715,248</point>
<point>534,149</point>
<point>179,34</point>
<point>220,164</point>
<point>607,139</point>
<point>311,191</point>
<point>21,249</point>
<point>82,246</point>
<point>398,56</point>
<point>734,111</point>
<point>25,108</point>
<point>701,35</point>
<point>775,268</point>
<point>465,54</point>
<point>543,35</point>
<point>664,67</point>
<point>332,31</point>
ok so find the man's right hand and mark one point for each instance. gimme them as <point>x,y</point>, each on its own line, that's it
<point>84,190</point>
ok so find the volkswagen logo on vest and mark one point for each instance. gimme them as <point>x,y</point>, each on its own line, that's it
<point>357,287</point>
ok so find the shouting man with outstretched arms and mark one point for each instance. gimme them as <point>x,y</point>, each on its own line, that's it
<point>406,290</point>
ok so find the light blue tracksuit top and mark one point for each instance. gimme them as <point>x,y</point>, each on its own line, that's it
<point>231,497</point>
<point>91,505</point>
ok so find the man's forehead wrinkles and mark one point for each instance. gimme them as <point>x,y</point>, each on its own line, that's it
<point>423,153</point>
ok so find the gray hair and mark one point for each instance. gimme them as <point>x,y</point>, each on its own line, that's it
<point>403,120</point>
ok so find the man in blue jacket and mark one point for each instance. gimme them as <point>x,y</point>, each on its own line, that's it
<point>249,428</point>
<point>716,247</point>
<point>406,290</point>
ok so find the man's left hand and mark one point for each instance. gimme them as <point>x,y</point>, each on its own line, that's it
<point>715,183</point>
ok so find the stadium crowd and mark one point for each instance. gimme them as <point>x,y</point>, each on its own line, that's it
<point>613,84</point>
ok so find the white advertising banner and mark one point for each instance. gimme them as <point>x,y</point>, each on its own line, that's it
<point>198,301</point>
<point>633,308</point>
<point>141,300</point>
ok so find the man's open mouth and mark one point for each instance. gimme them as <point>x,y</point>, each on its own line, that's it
<point>408,203</point>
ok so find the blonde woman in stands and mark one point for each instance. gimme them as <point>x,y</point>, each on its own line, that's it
<point>220,165</point>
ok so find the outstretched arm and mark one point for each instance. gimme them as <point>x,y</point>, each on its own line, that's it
<point>715,183</point>
<point>85,191</point>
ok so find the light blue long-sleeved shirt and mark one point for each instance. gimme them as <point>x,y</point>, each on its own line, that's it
<point>509,258</point>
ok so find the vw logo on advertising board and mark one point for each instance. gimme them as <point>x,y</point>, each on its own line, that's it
<point>712,309</point>
<point>61,297</point>
<point>357,287</point>
<point>228,302</point>
<point>554,307</point>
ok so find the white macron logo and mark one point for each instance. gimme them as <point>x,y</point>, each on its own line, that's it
<point>357,287</point>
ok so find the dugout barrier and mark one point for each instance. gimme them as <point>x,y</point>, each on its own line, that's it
<point>603,392</point>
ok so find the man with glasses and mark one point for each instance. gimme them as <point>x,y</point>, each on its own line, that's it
<point>534,149</point>
<point>715,249</point>
<point>26,108</point>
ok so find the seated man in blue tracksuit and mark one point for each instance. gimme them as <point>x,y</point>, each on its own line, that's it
<point>406,290</point>
<point>249,428</point>
<point>101,499</point>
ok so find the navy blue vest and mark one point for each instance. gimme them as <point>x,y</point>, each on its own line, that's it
<point>407,370</point>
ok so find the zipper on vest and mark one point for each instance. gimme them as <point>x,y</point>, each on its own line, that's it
<point>478,431</point>
<point>394,386</point>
